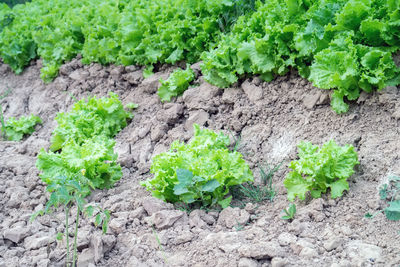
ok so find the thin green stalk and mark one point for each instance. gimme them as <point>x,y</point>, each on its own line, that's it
<point>66,233</point>
<point>76,237</point>
<point>3,125</point>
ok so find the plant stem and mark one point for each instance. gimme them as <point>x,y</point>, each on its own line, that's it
<point>3,125</point>
<point>76,238</point>
<point>66,233</point>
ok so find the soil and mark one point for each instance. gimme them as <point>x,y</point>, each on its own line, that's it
<point>270,118</point>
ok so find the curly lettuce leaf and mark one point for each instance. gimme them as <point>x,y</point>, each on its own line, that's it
<point>201,171</point>
<point>95,159</point>
<point>17,128</point>
<point>96,116</point>
<point>320,169</point>
<point>176,84</point>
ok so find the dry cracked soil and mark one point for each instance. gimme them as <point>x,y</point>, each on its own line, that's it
<point>270,118</point>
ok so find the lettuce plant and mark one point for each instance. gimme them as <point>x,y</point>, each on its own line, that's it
<point>176,84</point>
<point>94,117</point>
<point>15,129</point>
<point>344,45</point>
<point>320,169</point>
<point>201,171</point>
<point>85,160</point>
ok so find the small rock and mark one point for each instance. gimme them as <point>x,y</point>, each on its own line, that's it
<point>230,217</point>
<point>132,68</point>
<point>137,213</point>
<point>333,243</point>
<point>396,112</point>
<point>116,72</point>
<point>85,258</point>
<point>286,239</point>
<point>133,261</point>
<point>61,84</point>
<point>79,75</point>
<point>323,99</point>
<point>158,131</point>
<point>117,225</point>
<point>196,67</point>
<point>34,242</point>
<point>184,237</point>
<point>246,262</point>
<point>199,117</point>
<point>133,78</point>
<point>307,252</point>
<point>278,262</point>
<point>231,95</point>
<point>151,84</point>
<point>257,81</point>
<point>152,205</point>
<point>171,114</point>
<point>166,218</point>
<point>361,251</point>
<point>228,247</point>
<point>195,219</point>
<point>96,243</point>
<point>252,91</point>
<point>199,97</point>
<point>311,100</point>
<point>43,263</point>
<point>16,234</point>
<point>109,242</point>
<point>250,208</point>
<point>259,251</point>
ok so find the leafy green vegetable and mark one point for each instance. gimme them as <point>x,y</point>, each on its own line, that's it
<point>345,45</point>
<point>106,31</point>
<point>84,138</point>
<point>390,190</point>
<point>318,169</point>
<point>15,129</point>
<point>95,157</point>
<point>94,117</point>
<point>176,84</point>
<point>201,171</point>
<point>86,161</point>
<point>289,212</point>
<point>393,211</point>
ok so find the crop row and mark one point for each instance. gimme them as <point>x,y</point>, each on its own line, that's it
<point>345,45</point>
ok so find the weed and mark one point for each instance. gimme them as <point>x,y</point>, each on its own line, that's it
<point>69,193</point>
<point>290,212</point>
<point>3,124</point>
<point>236,140</point>
<point>258,193</point>
<point>239,226</point>
<point>160,245</point>
<point>390,191</point>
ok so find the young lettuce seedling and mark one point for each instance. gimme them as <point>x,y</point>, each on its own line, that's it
<point>290,212</point>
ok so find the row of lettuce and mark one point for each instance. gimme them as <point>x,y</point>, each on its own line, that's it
<point>345,45</point>
<point>199,174</point>
<point>202,171</point>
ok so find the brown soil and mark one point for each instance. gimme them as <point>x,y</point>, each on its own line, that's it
<point>271,119</point>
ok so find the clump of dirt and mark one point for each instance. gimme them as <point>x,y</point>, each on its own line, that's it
<point>270,118</point>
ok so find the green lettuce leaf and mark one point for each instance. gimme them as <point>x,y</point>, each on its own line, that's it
<point>17,128</point>
<point>201,171</point>
<point>176,84</point>
<point>318,169</point>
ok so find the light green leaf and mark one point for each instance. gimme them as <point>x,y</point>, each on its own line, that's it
<point>210,186</point>
<point>393,211</point>
<point>338,187</point>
